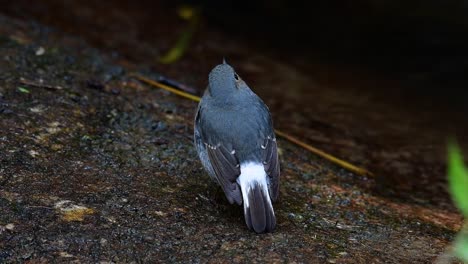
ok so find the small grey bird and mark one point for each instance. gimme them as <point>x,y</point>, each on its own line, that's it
<point>236,144</point>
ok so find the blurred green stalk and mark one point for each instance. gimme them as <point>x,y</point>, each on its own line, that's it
<point>458,186</point>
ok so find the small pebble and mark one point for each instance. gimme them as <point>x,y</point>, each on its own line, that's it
<point>103,241</point>
<point>37,109</point>
<point>56,147</point>
<point>10,227</point>
<point>65,254</point>
<point>159,213</point>
<point>40,51</point>
<point>33,153</point>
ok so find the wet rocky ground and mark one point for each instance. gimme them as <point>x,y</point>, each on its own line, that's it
<point>96,166</point>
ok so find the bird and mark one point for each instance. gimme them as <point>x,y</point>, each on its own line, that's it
<point>236,144</point>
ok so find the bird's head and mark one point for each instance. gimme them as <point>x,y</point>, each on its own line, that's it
<point>223,81</point>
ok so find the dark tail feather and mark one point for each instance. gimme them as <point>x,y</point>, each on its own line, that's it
<point>258,212</point>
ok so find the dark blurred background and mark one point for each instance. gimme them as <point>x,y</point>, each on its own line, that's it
<point>421,44</point>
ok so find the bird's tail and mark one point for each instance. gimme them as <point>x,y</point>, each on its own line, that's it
<point>258,210</point>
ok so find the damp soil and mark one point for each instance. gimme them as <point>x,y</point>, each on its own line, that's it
<point>96,166</point>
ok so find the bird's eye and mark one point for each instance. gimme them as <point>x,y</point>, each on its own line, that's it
<point>236,76</point>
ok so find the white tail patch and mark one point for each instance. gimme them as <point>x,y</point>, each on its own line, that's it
<point>252,173</point>
<point>258,210</point>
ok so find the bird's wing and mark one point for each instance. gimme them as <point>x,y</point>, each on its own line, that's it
<point>227,169</point>
<point>271,165</point>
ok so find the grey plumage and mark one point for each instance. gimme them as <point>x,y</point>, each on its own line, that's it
<point>236,144</point>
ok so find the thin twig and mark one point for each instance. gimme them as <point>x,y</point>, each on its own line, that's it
<point>325,155</point>
<point>318,152</point>
<point>40,207</point>
<point>39,84</point>
<point>166,87</point>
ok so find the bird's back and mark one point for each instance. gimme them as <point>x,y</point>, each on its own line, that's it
<point>238,126</point>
